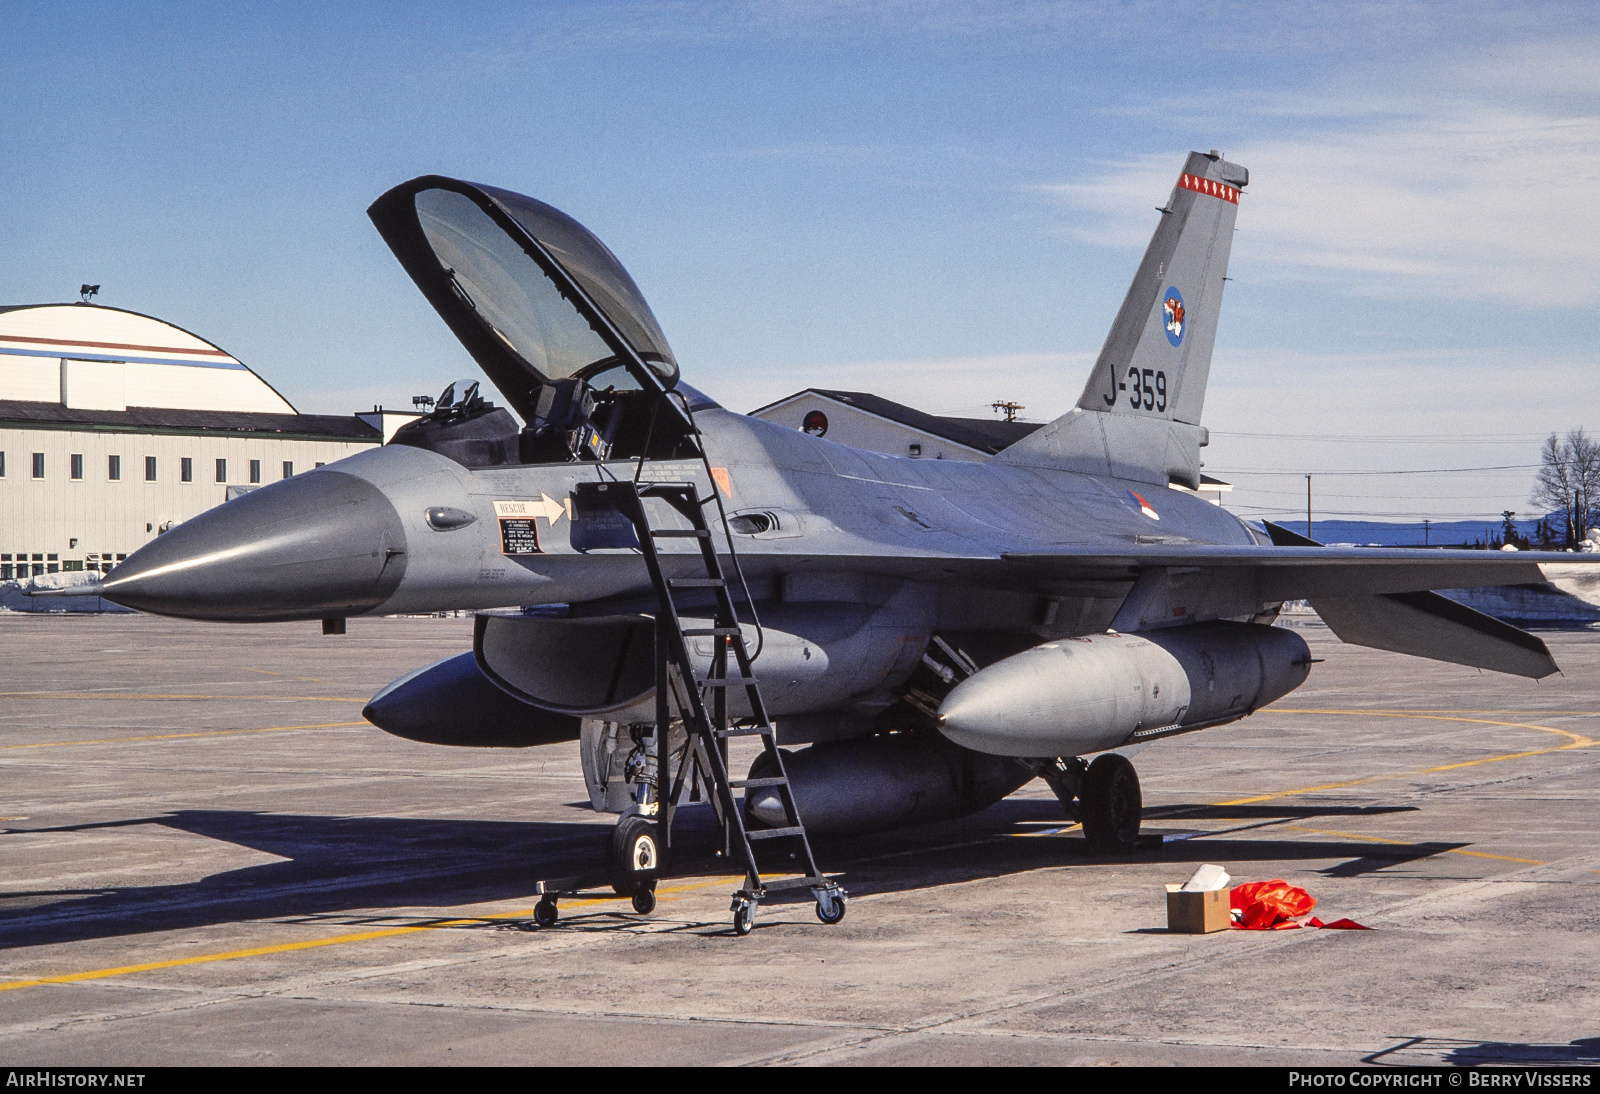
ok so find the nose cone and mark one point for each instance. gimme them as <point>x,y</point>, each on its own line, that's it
<point>969,714</point>
<point>323,544</point>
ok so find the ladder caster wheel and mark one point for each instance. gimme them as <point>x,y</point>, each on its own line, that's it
<point>544,912</point>
<point>830,908</point>
<point>644,899</point>
<point>744,918</point>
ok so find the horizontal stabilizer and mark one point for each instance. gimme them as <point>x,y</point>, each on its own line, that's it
<point>1436,627</point>
<point>1425,624</point>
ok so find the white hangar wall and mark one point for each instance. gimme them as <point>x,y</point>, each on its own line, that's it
<point>115,425</point>
<point>59,522</point>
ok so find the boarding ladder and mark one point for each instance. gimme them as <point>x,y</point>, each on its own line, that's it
<point>702,702</point>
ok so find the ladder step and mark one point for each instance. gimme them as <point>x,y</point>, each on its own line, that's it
<point>773,833</point>
<point>736,783</point>
<point>812,881</point>
<point>696,582</point>
<point>681,533</point>
<point>707,632</point>
<point>730,682</point>
<point>742,732</point>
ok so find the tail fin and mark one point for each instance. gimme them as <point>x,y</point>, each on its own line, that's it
<point>1139,415</point>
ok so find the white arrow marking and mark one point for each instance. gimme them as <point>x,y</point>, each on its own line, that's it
<point>551,509</point>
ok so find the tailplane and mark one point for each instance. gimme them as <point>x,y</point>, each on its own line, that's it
<point>1139,415</point>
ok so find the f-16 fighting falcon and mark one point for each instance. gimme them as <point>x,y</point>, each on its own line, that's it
<point>656,574</point>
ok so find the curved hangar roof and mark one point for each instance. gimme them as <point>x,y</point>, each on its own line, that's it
<point>91,357</point>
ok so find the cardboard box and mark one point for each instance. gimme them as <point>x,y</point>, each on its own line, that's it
<point>1197,913</point>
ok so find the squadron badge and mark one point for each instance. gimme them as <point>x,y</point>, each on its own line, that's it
<point>1172,306</point>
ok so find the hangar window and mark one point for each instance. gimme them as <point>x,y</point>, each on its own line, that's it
<point>255,470</point>
<point>114,468</point>
<point>2,465</point>
<point>77,465</point>
<point>288,469</point>
<point>149,469</point>
<point>186,469</point>
<point>38,465</point>
<point>222,470</point>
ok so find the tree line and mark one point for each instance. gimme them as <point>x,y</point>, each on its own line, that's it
<point>1568,485</point>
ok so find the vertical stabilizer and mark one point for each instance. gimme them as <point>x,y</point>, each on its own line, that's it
<point>1139,415</point>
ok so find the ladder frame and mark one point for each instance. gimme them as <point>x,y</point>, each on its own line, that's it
<point>707,725</point>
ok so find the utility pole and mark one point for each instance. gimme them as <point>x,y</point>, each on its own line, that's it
<point>1425,523</point>
<point>1308,508</point>
<point>1009,409</point>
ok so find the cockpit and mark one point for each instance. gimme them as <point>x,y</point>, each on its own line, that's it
<point>549,314</point>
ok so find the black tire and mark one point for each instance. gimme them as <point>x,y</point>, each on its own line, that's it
<point>838,911</point>
<point>644,899</point>
<point>744,919</point>
<point>1111,806</point>
<point>544,913</point>
<point>635,857</point>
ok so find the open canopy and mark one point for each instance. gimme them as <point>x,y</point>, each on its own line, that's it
<point>531,293</point>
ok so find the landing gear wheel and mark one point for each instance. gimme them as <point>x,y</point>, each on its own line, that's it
<point>744,917</point>
<point>544,912</point>
<point>644,899</point>
<point>1111,805</point>
<point>635,855</point>
<point>830,907</point>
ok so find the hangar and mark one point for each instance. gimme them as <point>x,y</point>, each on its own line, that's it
<point>114,426</point>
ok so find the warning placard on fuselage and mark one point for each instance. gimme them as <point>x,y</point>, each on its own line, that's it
<point>519,536</point>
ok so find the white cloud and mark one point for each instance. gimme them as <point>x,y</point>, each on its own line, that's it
<point>1473,183</point>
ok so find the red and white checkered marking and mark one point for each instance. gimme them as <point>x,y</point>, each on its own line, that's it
<point>1201,185</point>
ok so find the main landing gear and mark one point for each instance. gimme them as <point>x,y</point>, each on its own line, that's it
<point>1111,805</point>
<point>1103,796</point>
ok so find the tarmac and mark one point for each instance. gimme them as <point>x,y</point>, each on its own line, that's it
<point>209,858</point>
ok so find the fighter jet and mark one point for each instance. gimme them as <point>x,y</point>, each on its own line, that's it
<point>655,573</point>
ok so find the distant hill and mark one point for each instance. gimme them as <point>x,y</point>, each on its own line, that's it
<point>1403,533</point>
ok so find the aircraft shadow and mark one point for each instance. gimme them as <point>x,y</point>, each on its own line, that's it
<point>1584,1052</point>
<point>361,866</point>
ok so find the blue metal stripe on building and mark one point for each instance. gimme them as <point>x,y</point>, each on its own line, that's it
<point>7,351</point>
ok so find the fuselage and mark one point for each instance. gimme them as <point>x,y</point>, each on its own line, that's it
<point>818,508</point>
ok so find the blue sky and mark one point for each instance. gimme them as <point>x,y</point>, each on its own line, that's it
<point>942,203</point>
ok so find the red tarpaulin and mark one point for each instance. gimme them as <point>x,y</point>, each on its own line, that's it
<point>1275,905</point>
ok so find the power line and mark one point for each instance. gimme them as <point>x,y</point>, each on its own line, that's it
<point>1384,438</point>
<point>1420,471</point>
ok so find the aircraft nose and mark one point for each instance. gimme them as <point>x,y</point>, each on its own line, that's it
<point>321,545</point>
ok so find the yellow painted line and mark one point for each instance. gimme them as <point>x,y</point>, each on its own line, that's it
<point>175,737</point>
<point>1412,843</point>
<point>317,943</point>
<point>286,676</point>
<point>1576,740</point>
<point>1448,716</point>
<point>122,696</point>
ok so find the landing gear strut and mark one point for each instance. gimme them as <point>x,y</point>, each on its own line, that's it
<point>1110,805</point>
